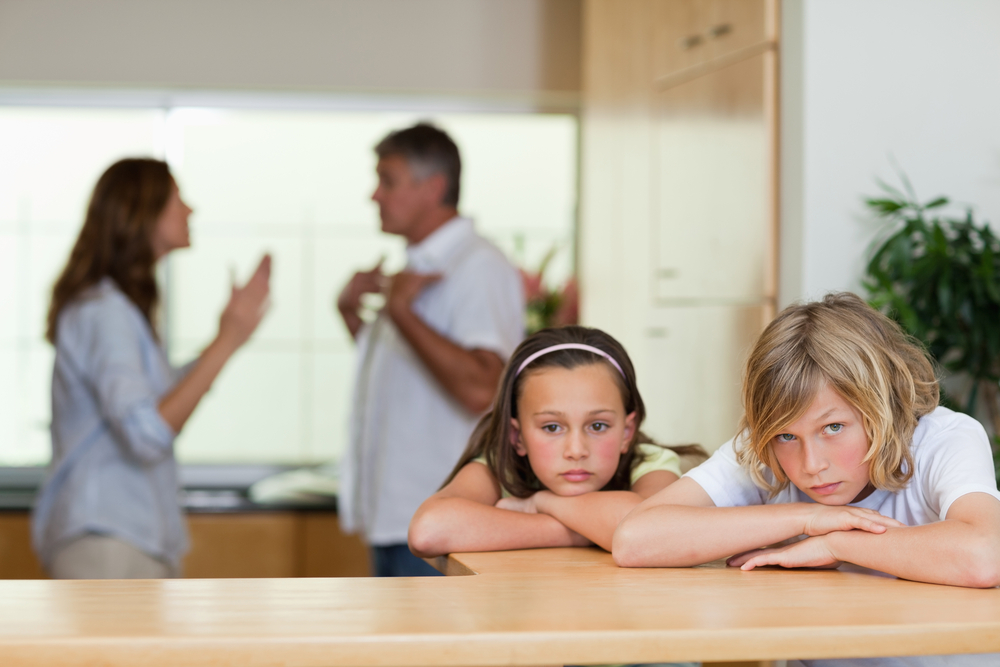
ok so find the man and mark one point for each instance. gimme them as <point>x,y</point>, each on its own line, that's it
<point>430,362</point>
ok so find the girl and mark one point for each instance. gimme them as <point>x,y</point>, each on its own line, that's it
<point>108,508</point>
<point>564,426</point>
<point>843,445</point>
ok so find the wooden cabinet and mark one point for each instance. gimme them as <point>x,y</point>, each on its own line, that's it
<point>678,198</point>
<point>17,560</point>
<point>692,382</point>
<point>272,544</point>
<point>689,33</point>
<point>711,222</point>
<point>244,544</point>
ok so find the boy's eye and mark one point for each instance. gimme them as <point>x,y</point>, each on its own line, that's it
<point>784,437</point>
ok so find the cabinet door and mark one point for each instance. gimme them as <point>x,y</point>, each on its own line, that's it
<point>712,175</point>
<point>694,32</point>
<point>17,559</point>
<point>263,544</point>
<point>694,361</point>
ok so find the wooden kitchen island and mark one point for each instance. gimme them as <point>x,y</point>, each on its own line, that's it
<point>534,607</point>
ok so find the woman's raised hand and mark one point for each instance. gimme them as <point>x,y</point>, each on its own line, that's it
<point>247,306</point>
<point>823,519</point>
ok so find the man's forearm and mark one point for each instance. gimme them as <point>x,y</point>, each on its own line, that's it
<point>470,376</point>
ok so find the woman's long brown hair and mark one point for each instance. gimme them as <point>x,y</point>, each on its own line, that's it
<point>492,436</point>
<point>116,238</point>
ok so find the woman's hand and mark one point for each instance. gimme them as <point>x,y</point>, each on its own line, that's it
<point>823,519</point>
<point>247,306</point>
<point>811,552</point>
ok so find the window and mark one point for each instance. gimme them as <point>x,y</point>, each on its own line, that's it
<point>291,182</point>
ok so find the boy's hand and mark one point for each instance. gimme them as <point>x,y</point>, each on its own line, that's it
<point>810,552</point>
<point>823,519</point>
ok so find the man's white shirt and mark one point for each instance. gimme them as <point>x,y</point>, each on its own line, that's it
<point>406,431</point>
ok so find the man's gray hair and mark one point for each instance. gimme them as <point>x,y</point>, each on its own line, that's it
<point>428,150</point>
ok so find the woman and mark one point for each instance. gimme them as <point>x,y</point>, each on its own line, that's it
<point>108,508</point>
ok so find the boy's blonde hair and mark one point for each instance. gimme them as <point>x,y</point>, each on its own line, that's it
<point>880,370</point>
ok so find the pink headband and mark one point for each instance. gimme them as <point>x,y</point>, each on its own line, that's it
<point>569,346</point>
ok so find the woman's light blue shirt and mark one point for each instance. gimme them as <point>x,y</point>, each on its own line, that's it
<point>113,470</point>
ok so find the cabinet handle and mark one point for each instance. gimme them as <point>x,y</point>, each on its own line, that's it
<point>717,31</point>
<point>689,42</point>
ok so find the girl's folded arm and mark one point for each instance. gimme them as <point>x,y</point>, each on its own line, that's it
<point>461,517</point>
<point>962,550</point>
<point>681,526</point>
<point>595,515</point>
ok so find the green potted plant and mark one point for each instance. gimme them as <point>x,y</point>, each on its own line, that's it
<point>938,275</point>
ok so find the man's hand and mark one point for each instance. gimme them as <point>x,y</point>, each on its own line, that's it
<point>372,281</point>
<point>405,287</point>
<point>811,552</point>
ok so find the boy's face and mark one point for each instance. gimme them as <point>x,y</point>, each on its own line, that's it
<point>822,452</point>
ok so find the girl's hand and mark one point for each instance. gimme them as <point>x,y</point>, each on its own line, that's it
<point>524,505</point>
<point>823,519</point>
<point>247,306</point>
<point>810,552</point>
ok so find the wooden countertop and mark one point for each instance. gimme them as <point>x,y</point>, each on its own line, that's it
<point>544,606</point>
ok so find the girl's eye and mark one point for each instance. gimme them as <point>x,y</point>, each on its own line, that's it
<point>834,428</point>
<point>784,437</point>
<point>550,428</point>
<point>600,427</point>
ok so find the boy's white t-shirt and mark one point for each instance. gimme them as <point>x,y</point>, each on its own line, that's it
<point>951,458</point>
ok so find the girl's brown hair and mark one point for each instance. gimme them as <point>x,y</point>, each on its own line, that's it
<point>116,238</point>
<point>492,437</point>
<point>880,370</point>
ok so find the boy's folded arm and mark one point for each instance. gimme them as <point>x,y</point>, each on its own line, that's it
<point>681,527</point>
<point>961,550</point>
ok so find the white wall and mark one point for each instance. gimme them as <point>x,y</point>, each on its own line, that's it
<point>868,81</point>
<point>430,46</point>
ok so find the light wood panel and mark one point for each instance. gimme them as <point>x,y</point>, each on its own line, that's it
<point>711,220</point>
<point>532,607</point>
<point>695,385</point>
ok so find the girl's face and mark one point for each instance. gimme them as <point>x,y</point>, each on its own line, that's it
<point>572,427</point>
<point>171,231</point>
<point>822,452</point>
